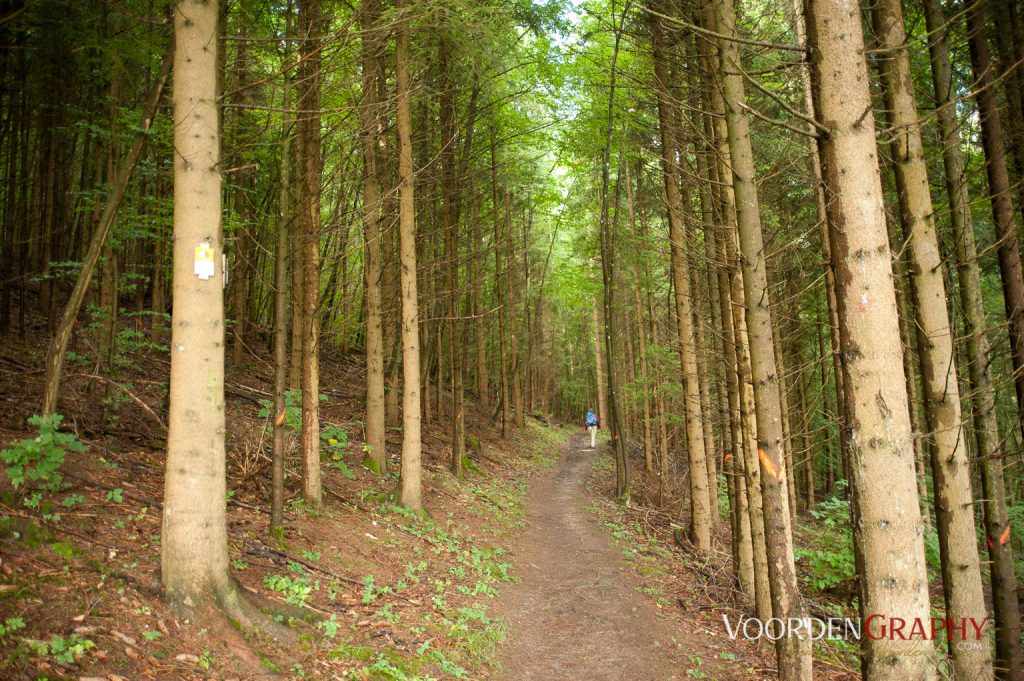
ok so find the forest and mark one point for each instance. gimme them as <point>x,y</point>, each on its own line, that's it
<point>302,305</point>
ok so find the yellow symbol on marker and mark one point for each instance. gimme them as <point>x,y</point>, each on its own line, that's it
<point>204,267</point>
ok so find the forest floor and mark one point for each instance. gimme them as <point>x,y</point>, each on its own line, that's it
<point>528,568</point>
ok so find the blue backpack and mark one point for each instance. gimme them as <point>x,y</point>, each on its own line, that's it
<point>590,419</point>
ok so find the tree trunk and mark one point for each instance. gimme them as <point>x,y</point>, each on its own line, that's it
<point>451,254</point>
<point>600,367</point>
<point>500,265</point>
<point>483,383</point>
<point>700,514</point>
<point>727,249</point>
<point>641,331</point>
<point>983,397</point>
<point>308,139</point>
<point>794,653</point>
<point>999,191</point>
<point>370,119</point>
<point>887,521</point>
<point>281,326</point>
<point>954,510</point>
<point>411,487</point>
<point>194,542</point>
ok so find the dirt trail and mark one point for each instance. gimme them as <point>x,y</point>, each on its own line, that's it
<point>577,613</point>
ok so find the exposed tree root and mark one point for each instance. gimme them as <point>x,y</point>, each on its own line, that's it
<point>227,605</point>
<point>238,609</point>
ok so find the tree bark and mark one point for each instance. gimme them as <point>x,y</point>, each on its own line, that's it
<point>954,510</point>
<point>794,653</point>
<point>983,397</point>
<point>411,486</point>
<point>309,166</point>
<point>700,514</point>
<point>999,188</point>
<point>194,542</point>
<point>281,315</point>
<point>887,521</point>
<point>726,247</point>
<point>370,119</point>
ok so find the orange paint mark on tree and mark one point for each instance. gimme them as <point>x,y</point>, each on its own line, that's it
<point>1005,536</point>
<point>766,461</point>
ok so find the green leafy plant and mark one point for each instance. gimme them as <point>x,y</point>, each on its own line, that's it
<point>64,650</point>
<point>11,625</point>
<point>38,459</point>
<point>292,409</point>
<point>830,562</point>
<point>329,626</point>
<point>296,590</point>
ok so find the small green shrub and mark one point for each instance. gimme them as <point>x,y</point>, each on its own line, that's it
<point>38,459</point>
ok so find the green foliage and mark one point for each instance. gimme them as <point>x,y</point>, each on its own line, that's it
<point>64,650</point>
<point>292,410</point>
<point>329,626</point>
<point>11,625</point>
<point>829,563</point>
<point>333,445</point>
<point>296,590</point>
<point>38,459</point>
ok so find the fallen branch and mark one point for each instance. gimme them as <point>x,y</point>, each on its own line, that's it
<point>127,392</point>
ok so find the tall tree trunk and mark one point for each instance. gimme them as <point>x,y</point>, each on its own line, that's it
<point>794,653</point>
<point>411,486</point>
<point>281,315</point>
<point>451,253</point>
<point>308,141</point>
<point>700,514</point>
<point>983,397</point>
<point>370,119</point>
<point>641,331</point>
<point>194,541</point>
<point>887,521</point>
<point>607,248</point>
<point>823,233</point>
<point>500,266</point>
<point>954,510</point>
<point>704,385</point>
<point>483,383</point>
<point>511,286</point>
<point>280,342</point>
<point>726,247</point>
<point>999,191</point>
<point>734,459</point>
<point>600,367</point>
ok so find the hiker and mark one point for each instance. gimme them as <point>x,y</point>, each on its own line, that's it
<point>592,424</point>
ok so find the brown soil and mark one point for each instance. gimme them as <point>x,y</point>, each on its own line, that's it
<point>578,612</point>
